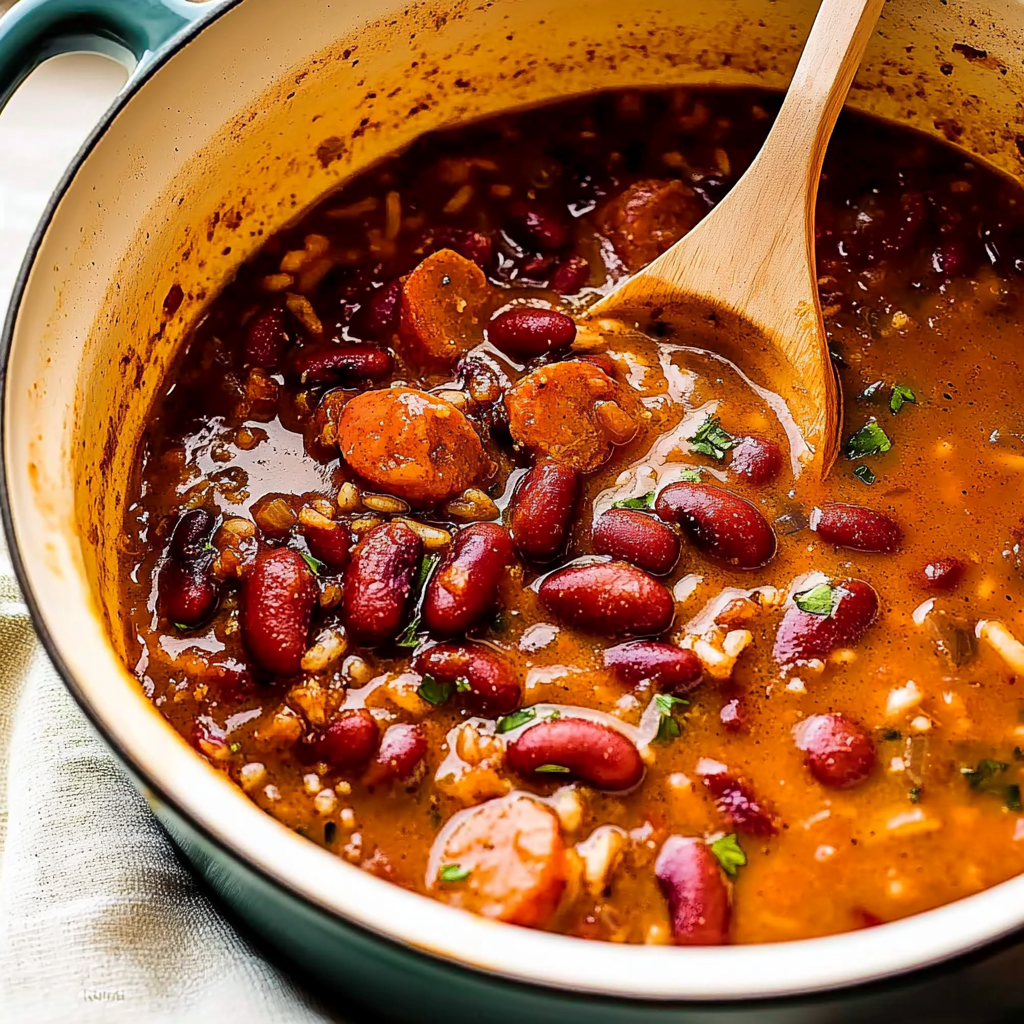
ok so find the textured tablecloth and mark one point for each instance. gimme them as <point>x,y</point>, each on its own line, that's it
<point>99,922</point>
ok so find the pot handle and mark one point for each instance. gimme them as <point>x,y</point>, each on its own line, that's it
<point>33,31</point>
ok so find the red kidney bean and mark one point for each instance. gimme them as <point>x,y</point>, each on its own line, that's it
<point>857,528</point>
<point>537,227</point>
<point>737,804</point>
<point>542,509</point>
<point>278,598</point>
<point>329,544</point>
<point>190,535</point>
<point>329,363</point>
<point>494,688</point>
<point>670,668</point>
<point>471,245</point>
<point>536,268</point>
<point>187,591</point>
<point>570,276</point>
<point>636,537</point>
<point>401,751</point>
<point>691,880</point>
<point>266,339</point>
<point>527,331</point>
<point>596,754</point>
<point>378,315</point>
<point>611,598</point>
<point>942,574</point>
<point>350,740</point>
<point>757,460</point>
<point>840,753</point>
<point>464,588</point>
<point>379,582</point>
<point>803,636</point>
<point>722,525</point>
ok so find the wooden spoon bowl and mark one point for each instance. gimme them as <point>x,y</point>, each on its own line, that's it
<point>747,271</point>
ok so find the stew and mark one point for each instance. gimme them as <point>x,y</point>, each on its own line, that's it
<point>541,617</point>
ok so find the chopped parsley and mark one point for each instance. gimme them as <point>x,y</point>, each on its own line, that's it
<point>235,747</point>
<point>915,795</point>
<point>644,501</point>
<point>454,873</point>
<point>712,440</point>
<point>208,547</point>
<point>554,716</point>
<point>870,393</point>
<point>552,769</point>
<point>819,600</point>
<point>864,474</point>
<point>509,722</point>
<point>986,771</point>
<point>410,635</point>
<point>316,567</point>
<point>668,727</point>
<point>434,692</point>
<point>181,626</point>
<point>690,476</point>
<point>462,685</point>
<point>987,778</point>
<point>901,394</point>
<point>729,853</point>
<point>871,439</point>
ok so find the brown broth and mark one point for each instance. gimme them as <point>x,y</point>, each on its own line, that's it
<point>929,300</point>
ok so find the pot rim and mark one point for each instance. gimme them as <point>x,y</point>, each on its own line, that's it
<point>519,955</point>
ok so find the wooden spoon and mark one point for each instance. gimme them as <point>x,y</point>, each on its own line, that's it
<point>753,255</point>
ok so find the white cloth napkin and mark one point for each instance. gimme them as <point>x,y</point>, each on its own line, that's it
<point>99,922</point>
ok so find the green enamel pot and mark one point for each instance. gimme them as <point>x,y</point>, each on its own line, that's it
<point>238,116</point>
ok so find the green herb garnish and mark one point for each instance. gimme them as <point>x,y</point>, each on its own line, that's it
<point>915,795</point>
<point>819,600</point>
<point>181,626</point>
<point>552,769</point>
<point>554,716</point>
<point>729,853</point>
<point>668,727</point>
<point>644,501</point>
<point>434,692</point>
<point>986,771</point>
<point>871,439</point>
<point>235,747</point>
<point>315,565</point>
<point>410,635</point>
<point>901,394</point>
<point>864,475</point>
<point>453,873</point>
<point>509,722</point>
<point>690,476</point>
<point>712,440</point>
<point>462,685</point>
<point>208,547</point>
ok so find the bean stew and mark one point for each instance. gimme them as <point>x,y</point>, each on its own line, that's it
<point>540,616</point>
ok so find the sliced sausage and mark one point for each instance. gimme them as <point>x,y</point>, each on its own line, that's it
<point>647,218</point>
<point>507,860</point>
<point>439,312</point>
<point>410,444</point>
<point>573,412</point>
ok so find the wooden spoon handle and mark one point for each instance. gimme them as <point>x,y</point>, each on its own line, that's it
<point>803,127</point>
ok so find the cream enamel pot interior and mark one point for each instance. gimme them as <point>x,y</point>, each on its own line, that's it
<point>233,128</point>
